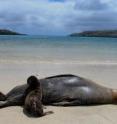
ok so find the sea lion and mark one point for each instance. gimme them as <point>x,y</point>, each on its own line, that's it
<point>33,99</point>
<point>65,90</point>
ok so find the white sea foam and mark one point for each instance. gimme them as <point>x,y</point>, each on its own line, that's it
<point>59,62</point>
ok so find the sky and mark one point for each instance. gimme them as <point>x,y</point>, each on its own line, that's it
<point>57,17</point>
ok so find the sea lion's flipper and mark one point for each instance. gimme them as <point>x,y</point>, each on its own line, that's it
<point>48,113</point>
<point>13,101</point>
<point>6,103</point>
<point>2,97</point>
<point>3,104</point>
<point>67,103</point>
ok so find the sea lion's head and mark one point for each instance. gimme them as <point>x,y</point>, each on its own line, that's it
<point>34,107</point>
<point>33,81</point>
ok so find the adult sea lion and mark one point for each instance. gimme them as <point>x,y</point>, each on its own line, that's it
<point>64,90</point>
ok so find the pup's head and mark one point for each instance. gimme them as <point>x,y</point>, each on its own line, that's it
<point>35,108</point>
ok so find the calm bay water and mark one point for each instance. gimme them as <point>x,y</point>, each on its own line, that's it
<point>78,50</point>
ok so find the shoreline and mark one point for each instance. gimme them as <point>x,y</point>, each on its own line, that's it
<point>60,62</point>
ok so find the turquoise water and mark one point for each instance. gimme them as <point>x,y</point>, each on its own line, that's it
<point>58,49</point>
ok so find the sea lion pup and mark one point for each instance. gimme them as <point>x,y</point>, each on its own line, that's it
<point>33,101</point>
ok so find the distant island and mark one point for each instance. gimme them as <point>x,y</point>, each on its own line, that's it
<point>101,33</point>
<point>8,32</point>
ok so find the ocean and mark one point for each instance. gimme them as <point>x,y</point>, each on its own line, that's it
<point>59,50</point>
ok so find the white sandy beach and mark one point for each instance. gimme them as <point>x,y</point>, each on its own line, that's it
<point>13,74</point>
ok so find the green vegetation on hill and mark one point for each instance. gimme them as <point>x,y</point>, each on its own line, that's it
<point>8,32</point>
<point>103,33</point>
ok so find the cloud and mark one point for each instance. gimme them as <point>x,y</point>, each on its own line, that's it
<point>38,17</point>
<point>93,15</point>
<point>96,5</point>
<point>57,17</point>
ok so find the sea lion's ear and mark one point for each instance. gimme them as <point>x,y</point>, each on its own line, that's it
<point>33,81</point>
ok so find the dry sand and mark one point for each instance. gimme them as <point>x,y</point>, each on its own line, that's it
<point>13,74</point>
